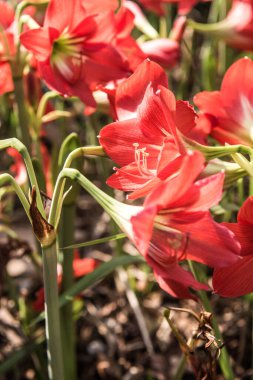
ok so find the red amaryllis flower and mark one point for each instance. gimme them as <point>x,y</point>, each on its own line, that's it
<point>174,224</point>
<point>236,29</point>
<point>75,47</point>
<point>158,6</point>
<point>236,280</point>
<point>146,141</point>
<point>7,47</point>
<point>228,113</point>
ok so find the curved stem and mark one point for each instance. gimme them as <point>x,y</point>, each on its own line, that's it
<point>6,178</point>
<point>21,148</point>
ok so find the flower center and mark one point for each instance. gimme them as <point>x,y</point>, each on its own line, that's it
<point>141,160</point>
<point>177,242</point>
<point>67,56</point>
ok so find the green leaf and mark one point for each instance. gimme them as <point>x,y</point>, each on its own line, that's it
<point>97,241</point>
<point>92,278</point>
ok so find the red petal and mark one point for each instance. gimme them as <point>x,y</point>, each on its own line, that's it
<point>209,242</point>
<point>185,117</point>
<point>130,93</point>
<point>118,138</point>
<point>177,282</point>
<point>63,14</point>
<point>246,211</point>
<point>235,280</point>
<point>237,92</point>
<point>38,41</point>
<point>172,190</point>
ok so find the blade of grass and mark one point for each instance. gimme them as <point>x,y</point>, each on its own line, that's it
<point>97,241</point>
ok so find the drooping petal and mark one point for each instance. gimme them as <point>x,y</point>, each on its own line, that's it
<point>177,281</point>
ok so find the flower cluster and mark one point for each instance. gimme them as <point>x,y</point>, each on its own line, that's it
<point>164,148</point>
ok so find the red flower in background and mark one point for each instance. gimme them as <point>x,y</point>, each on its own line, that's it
<point>236,280</point>
<point>7,47</point>
<point>228,113</point>
<point>76,47</point>
<point>146,140</point>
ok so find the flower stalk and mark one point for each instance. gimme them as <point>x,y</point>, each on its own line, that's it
<point>53,330</point>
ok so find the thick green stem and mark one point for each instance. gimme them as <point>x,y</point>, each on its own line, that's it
<point>53,330</point>
<point>224,359</point>
<point>66,313</point>
<point>23,115</point>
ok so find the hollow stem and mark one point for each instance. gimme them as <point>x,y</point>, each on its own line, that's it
<point>21,148</point>
<point>66,236</point>
<point>53,330</point>
<point>7,178</point>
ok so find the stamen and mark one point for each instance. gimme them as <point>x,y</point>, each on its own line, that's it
<point>141,160</point>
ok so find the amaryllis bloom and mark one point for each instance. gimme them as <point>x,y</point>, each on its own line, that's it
<point>175,224</point>
<point>76,47</point>
<point>146,141</point>
<point>158,6</point>
<point>236,280</point>
<point>228,113</point>
<point>236,29</point>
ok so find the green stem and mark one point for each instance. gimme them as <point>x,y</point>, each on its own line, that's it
<point>66,234</point>
<point>211,152</point>
<point>6,178</point>
<point>224,359</point>
<point>23,115</point>
<point>53,331</point>
<point>21,148</point>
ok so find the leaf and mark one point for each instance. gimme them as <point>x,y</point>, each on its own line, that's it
<point>90,279</point>
<point>97,241</point>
